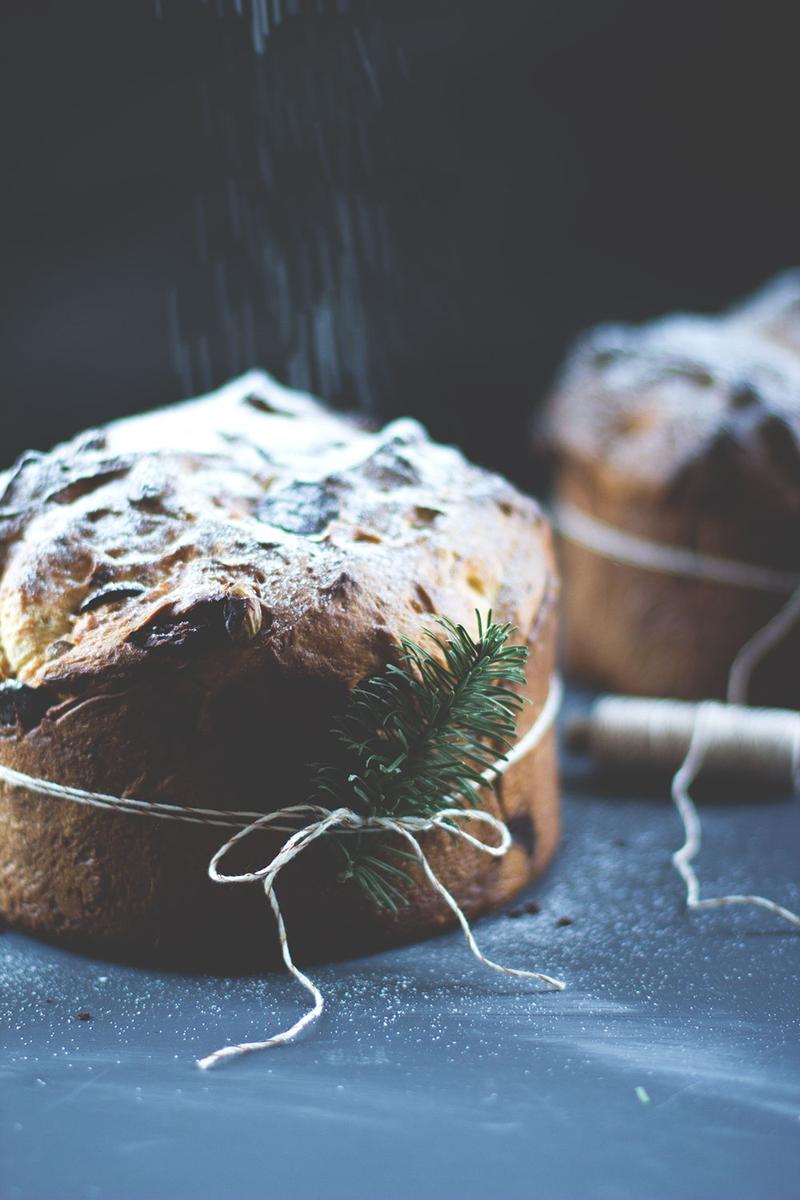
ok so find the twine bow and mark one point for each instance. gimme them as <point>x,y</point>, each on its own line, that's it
<point>321,821</point>
<point>345,820</point>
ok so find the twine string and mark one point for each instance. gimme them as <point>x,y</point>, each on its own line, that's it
<point>243,819</point>
<point>709,717</point>
<point>630,549</point>
<point>346,820</point>
<point>267,876</point>
<point>317,821</point>
<point>439,887</point>
<point>758,647</point>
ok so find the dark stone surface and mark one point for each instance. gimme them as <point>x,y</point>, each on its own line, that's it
<point>428,1076</point>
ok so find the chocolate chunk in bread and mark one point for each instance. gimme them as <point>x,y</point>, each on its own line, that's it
<point>22,707</point>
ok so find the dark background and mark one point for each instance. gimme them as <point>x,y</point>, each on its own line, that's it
<point>404,205</point>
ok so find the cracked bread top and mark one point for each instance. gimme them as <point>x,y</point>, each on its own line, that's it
<point>251,528</point>
<point>774,311</point>
<point>700,411</point>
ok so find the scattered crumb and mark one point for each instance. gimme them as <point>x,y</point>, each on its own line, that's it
<point>642,1095</point>
<point>531,907</point>
<point>565,921</point>
<point>83,1015</point>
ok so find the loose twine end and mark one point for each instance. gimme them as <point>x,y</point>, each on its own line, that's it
<point>320,821</point>
<point>659,725</point>
<point>710,717</point>
<point>314,822</point>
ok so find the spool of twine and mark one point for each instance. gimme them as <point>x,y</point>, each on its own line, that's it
<point>629,731</point>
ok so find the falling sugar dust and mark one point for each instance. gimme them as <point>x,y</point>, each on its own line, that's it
<point>291,241</point>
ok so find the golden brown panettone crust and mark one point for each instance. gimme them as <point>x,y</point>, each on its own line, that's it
<point>685,432</point>
<point>183,624</point>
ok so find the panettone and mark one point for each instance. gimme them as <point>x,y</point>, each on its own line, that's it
<point>682,435</point>
<point>186,600</point>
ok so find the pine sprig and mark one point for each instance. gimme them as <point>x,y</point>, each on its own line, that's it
<point>417,739</point>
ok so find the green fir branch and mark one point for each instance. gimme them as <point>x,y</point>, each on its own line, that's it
<point>417,739</point>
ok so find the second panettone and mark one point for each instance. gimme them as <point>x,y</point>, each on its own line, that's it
<point>677,451</point>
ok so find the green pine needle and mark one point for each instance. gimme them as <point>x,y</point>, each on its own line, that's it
<point>417,738</point>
